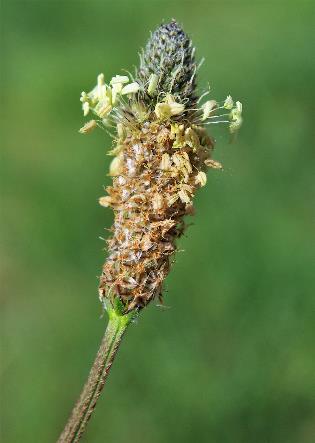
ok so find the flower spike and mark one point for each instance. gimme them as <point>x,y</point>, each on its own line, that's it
<point>161,154</point>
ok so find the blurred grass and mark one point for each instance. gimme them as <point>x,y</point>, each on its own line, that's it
<point>233,359</point>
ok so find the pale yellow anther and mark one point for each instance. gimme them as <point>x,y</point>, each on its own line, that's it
<point>207,108</point>
<point>175,107</point>
<point>119,79</point>
<point>100,80</point>
<point>101,90</point>
<point>93,95</point>
<point>117,150</point>
<point>162,111</point>
<point>236,117</point>
<point>88,127</point>
<point>236,112</point>
<point>228,104</point>
<point>236,124</point>
<point>86,108</point>
<point>184,196</point>
<point>105,201</point>
<point>116,90</point>
<point>131,88</point>
<point>239,107</point>
<point>84,97</point>
<point>103,108</point>
<point>153,81</point>
<point>201,178</point>
<point>213,164</point>
<point>116,166</point>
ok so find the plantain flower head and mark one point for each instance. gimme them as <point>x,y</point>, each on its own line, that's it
<point>161,155</point>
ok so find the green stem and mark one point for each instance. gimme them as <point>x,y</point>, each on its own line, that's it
<point>84,408</point>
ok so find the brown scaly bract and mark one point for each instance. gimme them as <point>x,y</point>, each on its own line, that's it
<point>161,154</point>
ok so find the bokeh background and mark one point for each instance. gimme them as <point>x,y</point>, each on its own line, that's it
<point>231,357</point>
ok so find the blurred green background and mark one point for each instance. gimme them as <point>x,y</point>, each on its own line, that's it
<point>232,360</point>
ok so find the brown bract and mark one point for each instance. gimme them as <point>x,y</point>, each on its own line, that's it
<point>150,197</point>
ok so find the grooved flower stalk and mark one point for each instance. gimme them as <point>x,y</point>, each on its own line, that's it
<point>161,154</point>
<point>84,408</point>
